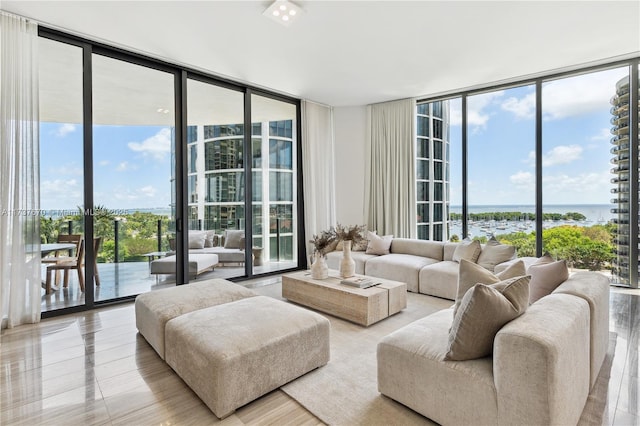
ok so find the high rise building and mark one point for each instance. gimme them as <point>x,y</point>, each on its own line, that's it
<point>216,183</point>
<point>432,170</point>
<point>621,157</point>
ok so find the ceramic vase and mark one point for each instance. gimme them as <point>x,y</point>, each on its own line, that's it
<point>319,268</point>
<point>347,264</point>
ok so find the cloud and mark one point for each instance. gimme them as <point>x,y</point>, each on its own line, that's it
<point>67,191</point>
<point>522,108</point>
<point>157,146</point>
<point>571,187</point>
<point>477,117</point>
<point>604,135</point>
<point>104,163</point>
<point>64,129</point>
<point>71,169</point>
<point>569,97</point>
<point>125,166</point>
<point>523,180</point>
<point>135,194</point>
<point>562,154</point>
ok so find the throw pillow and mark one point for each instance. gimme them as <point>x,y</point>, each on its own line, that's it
<point>378,245</point>
<point>209,236</point>
<point>484,310</point>
<point>470,274</point>
<point>196,240</point>
<point>494,253</point>
<point>234,239</point>
<point>546,276</point>
<point>468,250</point>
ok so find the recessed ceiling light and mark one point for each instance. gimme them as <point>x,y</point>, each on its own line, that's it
<point>283,11</point>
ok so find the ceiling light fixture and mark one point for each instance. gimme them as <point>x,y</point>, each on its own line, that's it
<point>283,11</point>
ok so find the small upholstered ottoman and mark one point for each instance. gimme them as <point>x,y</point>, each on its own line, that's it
<point>198,263</point>
<point>155,308</point>
<point>233,353</point>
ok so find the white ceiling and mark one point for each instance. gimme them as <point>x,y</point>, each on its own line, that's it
<point>358,52</point>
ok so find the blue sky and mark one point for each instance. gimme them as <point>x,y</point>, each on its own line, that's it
<point>576,143</point>
<point>132,166</point>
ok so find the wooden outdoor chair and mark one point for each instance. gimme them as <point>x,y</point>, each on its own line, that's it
<point>71,263</point>
<point>63,256</point>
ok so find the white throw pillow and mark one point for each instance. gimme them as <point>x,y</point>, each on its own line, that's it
<point>196,239</point>
<point>467,250</point>
<point>234,239</point>
<point>378,245</point>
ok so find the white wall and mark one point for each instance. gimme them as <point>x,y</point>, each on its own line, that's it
<point>350,124</point>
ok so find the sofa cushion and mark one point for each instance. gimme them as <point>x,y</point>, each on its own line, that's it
<point>449,249</point>
<point>411,370</point>
<point>470,274</point>
<point>440,279</point>
<point>197,239</point>
<point>423,248</point>
<point>483,311</point>
<point>234,239</point>
<point>468,250</point>
<point>494,253</point>
<point>546,276</point>
<point>360,257</point>
<point>378,245</point>
<point>398,267</point>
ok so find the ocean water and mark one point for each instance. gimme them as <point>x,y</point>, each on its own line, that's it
<point>594,213</point>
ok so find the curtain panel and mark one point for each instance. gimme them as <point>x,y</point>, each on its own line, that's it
<point>20,281</point>
<point>390,198</point>
<point>318,168</point>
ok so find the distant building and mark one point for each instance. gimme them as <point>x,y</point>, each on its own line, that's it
<point>432,170</point>
<point>620,160</point>
<point>216,183</point>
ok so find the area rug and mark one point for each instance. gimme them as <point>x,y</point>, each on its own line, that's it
<point>345,391</point>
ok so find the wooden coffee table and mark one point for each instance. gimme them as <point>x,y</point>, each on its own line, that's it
<point>363,306</point>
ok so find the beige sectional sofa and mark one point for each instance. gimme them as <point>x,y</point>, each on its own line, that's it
<point>542,367</point>
<point>428,267</point>
<point>229,246</point>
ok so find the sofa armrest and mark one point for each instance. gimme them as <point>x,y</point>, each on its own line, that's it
<point>541,363</point>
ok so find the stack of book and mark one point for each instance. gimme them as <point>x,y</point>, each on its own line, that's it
<point>361,282</point>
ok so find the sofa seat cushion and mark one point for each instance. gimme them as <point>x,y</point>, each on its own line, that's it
<point>399,267</point>
<point>155,308</point>
<point>411,370</point>
<point>359,257</point>
<point>225,255</point>
<point>198,263</point>
<point>440,279</point>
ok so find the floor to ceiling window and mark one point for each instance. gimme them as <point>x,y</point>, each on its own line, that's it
<point>585,168</point>
<point>61,166</point>
<point>118,179</point>
<point>551,166</point>
<point>275,184</point>
<point>501,181</point>
<point>133,122</point>
<point>216,171</point>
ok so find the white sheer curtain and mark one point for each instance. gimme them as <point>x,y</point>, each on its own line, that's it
<point>20,290</point>
<point>390,199</point>
<point>318,168</point>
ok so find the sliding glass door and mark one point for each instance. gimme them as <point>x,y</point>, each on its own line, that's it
<point>61,169</point>
<point>133,132</point>
<point>216,175</point>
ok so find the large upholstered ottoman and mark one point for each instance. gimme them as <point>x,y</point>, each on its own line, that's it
<point>233,353</point>
<point>155,308</point>
<point>198,263</point>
